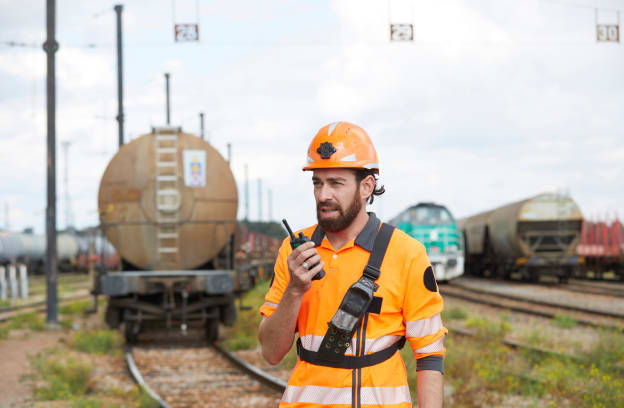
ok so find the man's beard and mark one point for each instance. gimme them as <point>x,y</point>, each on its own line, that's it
<point>344,218</point>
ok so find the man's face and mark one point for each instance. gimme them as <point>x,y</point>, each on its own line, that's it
<point>338,198</point>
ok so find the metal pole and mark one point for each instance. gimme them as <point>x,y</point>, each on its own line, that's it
<point>259,199</point>
<point>270,204</point>
<point>68,215</point>
<point>50,47</point>
<point>167,92</point>
<point>7,224</point>
<point>120,110</point>
<point>201,125</point>
<point>229,147</point>
<point>246,193</point>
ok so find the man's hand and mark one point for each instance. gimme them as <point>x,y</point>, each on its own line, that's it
<point>299,262</point>
<point>277,333</point>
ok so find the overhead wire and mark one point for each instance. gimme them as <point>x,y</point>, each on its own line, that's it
<point>19,44</point>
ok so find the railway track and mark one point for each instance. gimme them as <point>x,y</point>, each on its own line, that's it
<point>8,313</point>
<point>613,289</point>
<point>517,303</point>
<point>179,374</point>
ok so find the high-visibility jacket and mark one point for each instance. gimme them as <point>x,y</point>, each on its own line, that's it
<point>410,306</point>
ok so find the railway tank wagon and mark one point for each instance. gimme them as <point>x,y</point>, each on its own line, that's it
<point>434,226</point>
<point>168,204</point>
<point>534,237</point>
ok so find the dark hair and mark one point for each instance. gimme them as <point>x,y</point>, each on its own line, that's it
<point>361,174</point>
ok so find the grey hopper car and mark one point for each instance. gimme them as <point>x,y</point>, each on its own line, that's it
<point>532,237</point>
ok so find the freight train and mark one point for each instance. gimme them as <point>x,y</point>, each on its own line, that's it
<point>534,237</point>
<point>434,226</point>
<point>602,247</point>
<point>75,251</point>
<point>167,203</point>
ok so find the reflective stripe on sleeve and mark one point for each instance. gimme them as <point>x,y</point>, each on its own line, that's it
<point>342,396</point>
<point>424,327</point>
<point>270,304</point>
<point>313,343</point>
<point>437,345</point>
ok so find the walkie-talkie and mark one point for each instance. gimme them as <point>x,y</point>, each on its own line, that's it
<point>295,242</point>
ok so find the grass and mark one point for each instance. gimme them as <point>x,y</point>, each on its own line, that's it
<point>565,321</point>
<point>454,313</point>
<point>78,307</point>
<point>244,334</point>
<point>32,321</point>
<point>63,378</point>
<point>97,342</point>
<point>70,379</point>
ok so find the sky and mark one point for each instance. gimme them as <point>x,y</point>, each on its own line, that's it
<point>494,101</point>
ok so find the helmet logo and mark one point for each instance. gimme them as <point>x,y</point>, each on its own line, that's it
<point>326,149</point>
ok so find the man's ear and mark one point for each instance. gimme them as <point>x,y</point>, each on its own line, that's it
<point>367,185</point>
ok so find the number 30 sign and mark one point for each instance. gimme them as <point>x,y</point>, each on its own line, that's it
<point>607,32</point>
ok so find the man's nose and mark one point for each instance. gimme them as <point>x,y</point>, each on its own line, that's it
<point>324,193</point>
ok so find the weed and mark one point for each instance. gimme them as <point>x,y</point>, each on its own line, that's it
<point>565,321</point>
<point>31,321</point>
<point>608,351</point>
<point>244,333</point>
<point>63,378</point>
<point>66,323</point>
<point>75,308</point>
<point>5,303</point>
<point>98,342</point>
<point>86,403</point>
<point>145,401</point>
<point>454,313</point>
<point>488,330</point>
<point>535,338</point>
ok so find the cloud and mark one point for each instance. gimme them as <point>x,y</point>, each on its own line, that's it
<point>493,102</point>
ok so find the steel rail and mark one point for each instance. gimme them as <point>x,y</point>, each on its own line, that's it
<point>138,378</point>
<point>514,344</point>
<point>252,370</point>
<point>540,302</point>
<point>518,309</point>
<point>34,306</point>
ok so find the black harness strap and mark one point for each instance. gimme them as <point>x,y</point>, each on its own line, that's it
<point>350,362</point>
<point>334,344</point>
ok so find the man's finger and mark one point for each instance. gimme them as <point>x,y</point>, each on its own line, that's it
<point>313,271</point>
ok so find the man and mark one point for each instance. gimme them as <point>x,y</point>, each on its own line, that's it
<point>378,289</point>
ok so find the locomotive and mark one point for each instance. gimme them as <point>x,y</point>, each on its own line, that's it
<point>434,226</point>
<point>534,237</point>
<point>167,203</point>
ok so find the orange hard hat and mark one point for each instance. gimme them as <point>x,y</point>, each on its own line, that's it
<point>342,145</point>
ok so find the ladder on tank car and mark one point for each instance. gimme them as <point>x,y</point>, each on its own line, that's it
<point>167,195</point>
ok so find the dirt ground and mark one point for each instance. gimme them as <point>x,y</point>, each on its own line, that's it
<point>15,364</point>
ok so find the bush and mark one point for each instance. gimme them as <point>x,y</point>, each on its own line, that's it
<point>98,342</point>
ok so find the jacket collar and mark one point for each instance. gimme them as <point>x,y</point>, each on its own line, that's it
<point>365,239</point>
